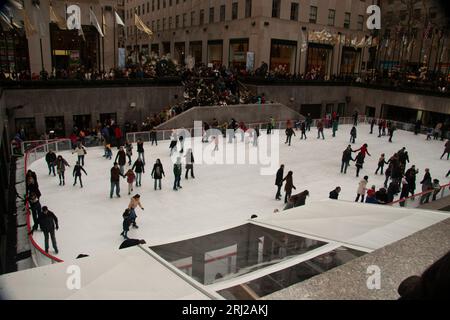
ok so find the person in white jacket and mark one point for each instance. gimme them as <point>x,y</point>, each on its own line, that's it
<point>362,188</point>
<point>80,150</point>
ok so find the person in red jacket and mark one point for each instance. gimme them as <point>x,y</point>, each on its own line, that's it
<point>118,135</point>
<point>364,150</point>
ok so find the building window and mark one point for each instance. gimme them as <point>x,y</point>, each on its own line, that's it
<point>164,24</point>
<point>192,18</point>
<point>282,55</point>
<point>164,4</point>
<point>313,14</point>
<point>184,19</point>
<point>294,11</point>
<point>177,21</point>
<point>211,15</point>
<point>276,7</point>
<point>153,25</point>
<point>360,23</point>
<point>157,24</point>
<point>347,20</point>
<point>222,13</point>
<point>234,11</point>
<point>331,17</point>
<point>148,7</point>
<point>170,23</point>
<point>159,4</point>
<point>153,5</point>
<point>202,17</point>
<point>248,8</point>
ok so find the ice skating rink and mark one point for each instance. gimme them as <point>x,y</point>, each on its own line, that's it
<point>220,196</point>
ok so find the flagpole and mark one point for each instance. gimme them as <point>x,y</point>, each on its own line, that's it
<point>438,53</point>
<point>114,36</point>
<point>431,51</point>
<point>103,42</point>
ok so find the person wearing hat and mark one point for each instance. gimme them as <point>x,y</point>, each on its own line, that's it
<point>49,222</point>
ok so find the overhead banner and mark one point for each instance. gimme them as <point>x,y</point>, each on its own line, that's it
<point>121,56</point>
<point>250,61</point>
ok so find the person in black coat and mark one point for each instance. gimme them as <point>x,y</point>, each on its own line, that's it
<point>32,187</point>
<point>346,157</point>
<point>158,173</point>
<point>279,181</point>
<point>50,158</point>
<point>303,130</point>
<point>289,133</point>
<point>189,163</point>
<point>33,175</point>
<point>139,169</point>
<point>353,135</point>
<point>122,157</point>
<point>372,124</point>
<point>36,210</point>
<point>140,150</point>
<point>77,173</point>
<point>335,193</point>
<point>49,222</point>
<point>359,162</point>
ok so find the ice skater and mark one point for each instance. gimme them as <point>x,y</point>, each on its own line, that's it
<point>36,210</point>
<point>50,158</point>
<point>131,177</point>
<point>80,150</point>
<point>289,133</point>
<point>189,164</point>
<point>140,150</point>
<point>288,186</point>
<point>122,157</point>
<point>346,157</point>
<point>279,182</point>
<point>334,195</point>
<point>129,151</point>
<point>49,222</point>
<point>381,162</point>
<point>392,129</point>
<point>446,150</point>
<point>353,135</point>
<point>115,180</point>
<point>372,124</point>
<point>158,173</point>
<point>139,169</point>
<point>177,171</point>
<point>427,186</point>
<point>153,137</point>
<point>135,201</point>
<point>320,129</point>
<point>362,188</point>
<point>173,142</point>
<point>359,163</point>
<point>126,223</point>
<point>77,173</point>
<point>61,165</point>
<point>303,130</point>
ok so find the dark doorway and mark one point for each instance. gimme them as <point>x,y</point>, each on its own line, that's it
<point>314,109</point>
<point>55,124</point>
<point>370,111</point>
<point>29,128</point>
<point>82,121</point>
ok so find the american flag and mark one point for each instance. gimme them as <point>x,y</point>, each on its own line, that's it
<point>428,31</point>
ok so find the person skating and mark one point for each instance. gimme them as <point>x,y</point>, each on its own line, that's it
<point>177,170</point>
<point>372,124</point>
<point>129,151</point>
<point>392,129</point>
<point>335,193</point>
<point>362,188</point>
<point>115,180</point>
<point>61,165</point>
<point>392,190</point>
<point>308,121</point>
<point>140,150</point>
<point>153,137</point>
<point>50,158</point>
<point>126,223</point>
<point>289,133</point>
<point>387,175</point>
<point>303,130</point>
<point>139,169</point>
<point>359,162</point>
<point>353,135</point>
<point>135,201</point>
<point>158,173</point>
<point>380,127</point>
<point>256,135</point>
<point>355,118</point>
<point>335,124</point>
<point>436,187</point>
<point>181,140</point>
<point>80,150</point>
<point>446,150</point>
<point>36,210</point>
<point>404,192</point>
<point>77,173</point>
<point>320,129</point>
<point>364,150</point>
<point>346,157</point>
<point>381,162</point>
<point>108,151</point>
<point>427,185</point>
<point>288,186</point>
<point>131,177</point>
<point>173,142</point>
<point>49,222</point>
<point>31,186</point>
<point>410,176</point>
<point>189,164</point>
<point>279,182</point>
<point>122,157</point>
<point>418,127</point>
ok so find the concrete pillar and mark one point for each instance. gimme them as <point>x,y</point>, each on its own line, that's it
<point>198,266</point>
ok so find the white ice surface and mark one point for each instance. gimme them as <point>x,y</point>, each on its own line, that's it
<point>221,195</point>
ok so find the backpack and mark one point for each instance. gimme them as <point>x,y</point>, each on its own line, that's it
<point>126,214</point>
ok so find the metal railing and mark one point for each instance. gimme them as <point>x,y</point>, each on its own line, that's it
<point>39,256</point>
<point>422,198</point>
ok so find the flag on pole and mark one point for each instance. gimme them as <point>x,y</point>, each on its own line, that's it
<point>94,21</point>
<point>104,22</point>
<point>141,25</point>
<point>119,20</point>
<point>354,42</point>
<point>54,17</point>
<point>29,28</point>
<point>362,43</point>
